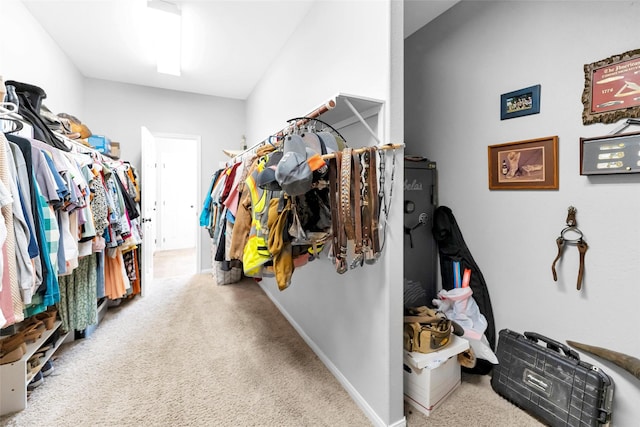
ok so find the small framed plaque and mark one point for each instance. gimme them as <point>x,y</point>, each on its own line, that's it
<point>612,89</point>
<point>610,154</point>
<point>520,102</point>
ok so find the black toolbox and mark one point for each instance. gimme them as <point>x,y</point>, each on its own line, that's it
<point>551,382</point>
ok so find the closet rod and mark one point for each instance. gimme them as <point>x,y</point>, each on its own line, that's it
<point>329,105</point>
<point>363,149</point>
<point>84,149</point>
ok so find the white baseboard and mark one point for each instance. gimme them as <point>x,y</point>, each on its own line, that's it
<point>355,395</point>
<point>400,423</point>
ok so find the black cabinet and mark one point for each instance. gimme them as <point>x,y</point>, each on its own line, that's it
<point>420,249</point>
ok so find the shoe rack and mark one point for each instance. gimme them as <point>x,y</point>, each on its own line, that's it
<point>16,376</point>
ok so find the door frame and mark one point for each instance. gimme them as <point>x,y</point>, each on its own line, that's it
<point>172,179</point>
<point>198,142</point>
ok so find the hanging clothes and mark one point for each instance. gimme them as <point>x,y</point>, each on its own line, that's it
<point>50,235</point>
<point>78,307</point>
<point>10,276</point>
<point>6,305</point>
<point>62,204</point>
<point>115,283</point>
<point>60,207</point>
<point>30,101</point>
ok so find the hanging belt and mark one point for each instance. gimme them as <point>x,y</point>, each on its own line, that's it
<point>355,207</point>
<point>339,247</point>
<point>366,206</point>
<point>370,212</point>
<point>345,193</point>
<point>356,178</point>
<point>374,203</point>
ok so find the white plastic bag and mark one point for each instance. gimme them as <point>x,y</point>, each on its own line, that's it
<point>458,305</point>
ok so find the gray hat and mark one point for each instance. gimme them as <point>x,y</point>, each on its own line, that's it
<point>293,172</point>
<point>329,141</point>
<point>267,178</point>
<point>312,142</point>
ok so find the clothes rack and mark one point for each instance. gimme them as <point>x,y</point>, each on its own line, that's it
<point>315,114</point>
<point>329,105</point>
<point>362,150</point>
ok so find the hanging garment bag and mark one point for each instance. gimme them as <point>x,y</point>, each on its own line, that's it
<point>453,251</point>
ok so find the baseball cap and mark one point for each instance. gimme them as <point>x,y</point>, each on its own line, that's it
<point>267,178</point>
<point>293,172</point>
<point>315,148</point>
<point>329,141</point>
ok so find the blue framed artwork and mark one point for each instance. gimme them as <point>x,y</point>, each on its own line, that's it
<point>520,102</point>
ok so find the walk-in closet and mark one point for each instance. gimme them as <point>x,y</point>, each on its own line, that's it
<point>293,213</point>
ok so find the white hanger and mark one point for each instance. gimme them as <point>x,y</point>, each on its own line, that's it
<point>7,108</point>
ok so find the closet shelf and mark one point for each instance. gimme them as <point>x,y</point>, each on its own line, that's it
<point>337,111</point>
<point>15,376</point>
<point>341,115</point>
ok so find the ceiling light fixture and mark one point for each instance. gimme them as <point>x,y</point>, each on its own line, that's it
<point>166,29</point>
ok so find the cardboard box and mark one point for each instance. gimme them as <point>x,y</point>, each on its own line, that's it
<point>100,143</point>
<point>430,378</point>
<point>115,149</point>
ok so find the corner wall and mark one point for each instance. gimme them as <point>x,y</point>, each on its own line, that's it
<point>352,321</point>
<point>456,68</point>
<point>29,55</point>
<point>114,109</point>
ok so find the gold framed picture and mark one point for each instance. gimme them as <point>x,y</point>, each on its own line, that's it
<point>612,89</point>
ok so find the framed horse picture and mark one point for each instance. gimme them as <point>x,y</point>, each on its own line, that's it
<point>524,165</point>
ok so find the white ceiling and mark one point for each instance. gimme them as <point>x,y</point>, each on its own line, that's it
<point>227,44</point>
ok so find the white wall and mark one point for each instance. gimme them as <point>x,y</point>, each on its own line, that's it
<point>455,70</point>
<point>29,55</point>
<point>335,49</point>
<point>352,321</point>
<point>119,110</point>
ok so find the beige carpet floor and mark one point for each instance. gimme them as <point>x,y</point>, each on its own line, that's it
<point>175,262</point>
<point>191,353</point>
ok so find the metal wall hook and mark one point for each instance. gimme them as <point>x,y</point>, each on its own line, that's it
<point>565,234</point>
<point>577,239</point>
<point>571,216</point>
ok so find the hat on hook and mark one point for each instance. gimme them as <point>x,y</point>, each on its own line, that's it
<point>312,142</point>
<point>314,151</point>
<point>293,172</point>
<point>316,147</point>
<point>267,178</point>
<point>329,141</point>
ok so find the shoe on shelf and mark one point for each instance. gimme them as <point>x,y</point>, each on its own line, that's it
<point>12,348</point>
<point>34,331</point>
<point>48,317</point>
<point>10,343</point>
<point>34,362</point>
<point>13,355</point>
<point>47,369</point>
<point>37,381</point>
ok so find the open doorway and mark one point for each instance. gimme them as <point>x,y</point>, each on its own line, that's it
<point>176,229</point>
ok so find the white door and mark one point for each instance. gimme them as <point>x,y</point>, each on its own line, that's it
<point>148,196</point>
<point>177,160</point>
